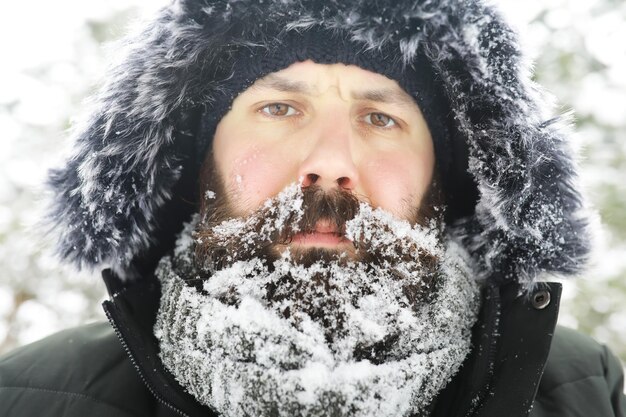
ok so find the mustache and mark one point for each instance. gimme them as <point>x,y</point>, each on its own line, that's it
<point>336,207</point>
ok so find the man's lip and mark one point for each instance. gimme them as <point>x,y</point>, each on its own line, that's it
<point>319,239</point>
<point>325,234</point>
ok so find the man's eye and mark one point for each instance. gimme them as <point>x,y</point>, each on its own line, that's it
<point>278,109</point>
<point>380,120</point>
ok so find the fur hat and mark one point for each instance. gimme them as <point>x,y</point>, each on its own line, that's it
<point>126,189</point>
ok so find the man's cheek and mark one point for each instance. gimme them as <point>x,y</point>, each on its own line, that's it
<point>258,175</point>
<point>393,183</point>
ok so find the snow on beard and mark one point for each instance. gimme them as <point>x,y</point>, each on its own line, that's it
<point>383,254</point>
<point>256,332</point>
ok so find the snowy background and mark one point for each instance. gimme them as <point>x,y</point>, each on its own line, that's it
<point>55,53</point>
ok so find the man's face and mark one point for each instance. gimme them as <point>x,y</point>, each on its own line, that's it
<point>335,127</point>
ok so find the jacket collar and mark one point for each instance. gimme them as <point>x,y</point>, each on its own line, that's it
<point>132,310</point>
<point>511,341</point>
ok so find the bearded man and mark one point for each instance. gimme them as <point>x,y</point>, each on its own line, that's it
<point>320,209</point>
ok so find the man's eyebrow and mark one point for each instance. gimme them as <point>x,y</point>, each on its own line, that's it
<point>276,82</point>
<point>384,95</point>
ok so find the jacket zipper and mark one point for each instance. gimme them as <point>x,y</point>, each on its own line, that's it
<point>138,369</point>
<point>494,324</point>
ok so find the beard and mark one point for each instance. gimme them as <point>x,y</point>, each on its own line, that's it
<point>251,325</point>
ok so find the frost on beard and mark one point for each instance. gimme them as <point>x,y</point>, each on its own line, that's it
<point>331,338</point>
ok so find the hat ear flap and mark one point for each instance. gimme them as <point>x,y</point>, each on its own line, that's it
<point>530,217</point>
<point>107,198</point>
<point>128,153</point>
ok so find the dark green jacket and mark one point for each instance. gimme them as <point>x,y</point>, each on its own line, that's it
<point>87,371</point>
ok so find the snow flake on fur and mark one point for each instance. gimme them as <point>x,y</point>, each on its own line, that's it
<point>133,146</point>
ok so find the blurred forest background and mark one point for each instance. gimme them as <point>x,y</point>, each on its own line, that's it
<point>54,58</point>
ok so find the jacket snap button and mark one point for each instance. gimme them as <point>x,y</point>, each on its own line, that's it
<point>541,299</point>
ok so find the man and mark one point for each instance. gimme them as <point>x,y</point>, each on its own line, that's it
<point>312,209</point>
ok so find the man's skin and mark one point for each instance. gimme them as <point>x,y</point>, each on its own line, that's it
<point>328,125</point>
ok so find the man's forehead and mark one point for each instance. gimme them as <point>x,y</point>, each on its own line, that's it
<point>378,89</point>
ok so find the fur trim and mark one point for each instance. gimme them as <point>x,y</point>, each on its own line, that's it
<point>110,196</point>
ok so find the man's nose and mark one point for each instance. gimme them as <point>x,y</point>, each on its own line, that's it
<point>330,161</point>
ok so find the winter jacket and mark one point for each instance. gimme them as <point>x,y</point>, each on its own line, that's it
<point>96,371</point>
<point>131,183</point>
